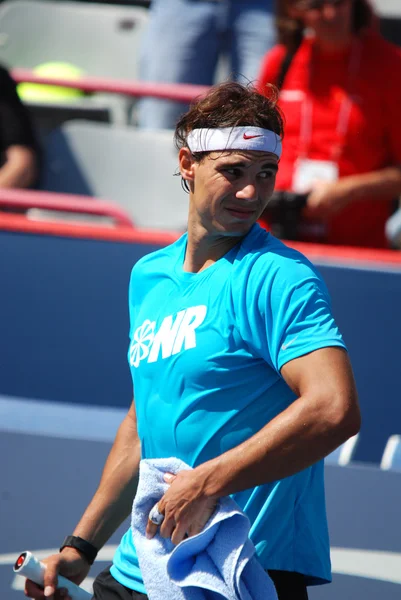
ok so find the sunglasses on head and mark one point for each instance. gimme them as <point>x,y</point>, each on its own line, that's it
<point>317,4</point>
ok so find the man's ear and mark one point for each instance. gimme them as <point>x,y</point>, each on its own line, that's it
<point>186,164</point>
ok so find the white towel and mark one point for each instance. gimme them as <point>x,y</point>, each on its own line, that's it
<point>217,563</point>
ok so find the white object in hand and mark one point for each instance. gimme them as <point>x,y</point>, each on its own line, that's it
<point>28,566</point>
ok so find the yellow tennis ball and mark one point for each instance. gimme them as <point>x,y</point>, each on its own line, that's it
<point>37,92</point>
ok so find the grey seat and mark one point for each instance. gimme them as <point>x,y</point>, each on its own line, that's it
<point>101,39</point>
<point>47,116</point>
<point>391,458</point>
<point>132,167</point>
<point>344,454</point>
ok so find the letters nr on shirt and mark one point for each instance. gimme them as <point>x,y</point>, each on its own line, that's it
<point>173,336</point>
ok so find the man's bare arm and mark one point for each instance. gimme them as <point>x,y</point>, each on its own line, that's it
<point>112,502</point>
<point>109,507</point>
<point>325,414</point>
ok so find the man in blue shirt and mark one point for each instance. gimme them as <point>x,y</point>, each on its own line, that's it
<point>238,367</point>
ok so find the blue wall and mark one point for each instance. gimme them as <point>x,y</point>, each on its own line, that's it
<point>64,327</point>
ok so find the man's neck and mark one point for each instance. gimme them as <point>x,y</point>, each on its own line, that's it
<point>203,249</point>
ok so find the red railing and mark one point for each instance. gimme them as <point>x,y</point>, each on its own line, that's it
<point>125,230</point>
<point>178,92</point>
<point>71,203</point>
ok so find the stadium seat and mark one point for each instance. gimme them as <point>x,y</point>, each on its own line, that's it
<point>100,107</point>
<point>132,167</point>
<point>392,454</point>
<point>100,39</point>
<point>343,454</point>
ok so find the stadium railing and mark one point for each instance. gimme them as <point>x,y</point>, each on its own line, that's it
<point>53,206</point>
<point>106,100</point>
<point>180,92</point>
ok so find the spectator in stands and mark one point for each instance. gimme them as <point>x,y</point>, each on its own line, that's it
<point>185,40</point>
<point>256,388</point>
<point>19,163</point>
<point>341,97</point>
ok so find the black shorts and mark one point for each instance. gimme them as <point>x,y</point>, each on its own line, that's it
<point>289,586</point>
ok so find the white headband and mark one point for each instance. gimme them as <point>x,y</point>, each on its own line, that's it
<point>234,138</point>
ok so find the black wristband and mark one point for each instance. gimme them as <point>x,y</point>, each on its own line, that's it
<point>86,548</point>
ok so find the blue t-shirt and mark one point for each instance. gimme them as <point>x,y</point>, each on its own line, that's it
<point>206,352</point>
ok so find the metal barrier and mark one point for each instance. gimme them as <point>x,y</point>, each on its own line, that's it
<point>183,92</point>
<point>15,199</point>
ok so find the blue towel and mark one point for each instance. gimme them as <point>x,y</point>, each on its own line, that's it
<point>217,563</point>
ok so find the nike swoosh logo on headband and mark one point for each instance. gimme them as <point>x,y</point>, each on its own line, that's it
<point>250,137</point>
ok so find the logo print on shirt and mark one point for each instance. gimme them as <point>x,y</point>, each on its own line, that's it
<point>143,337</point>
<point>285,346</point>
<point>173,335</point>
<point>250,137</point>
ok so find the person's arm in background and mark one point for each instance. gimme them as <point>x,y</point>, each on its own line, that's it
<point>382,184</point>
<point>325,414</point>
<point>110,506</point>
<point>20,167</point>
<point>20,154</point>
<point>327,198</point>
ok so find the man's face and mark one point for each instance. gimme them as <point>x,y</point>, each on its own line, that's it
<point>231,190</point>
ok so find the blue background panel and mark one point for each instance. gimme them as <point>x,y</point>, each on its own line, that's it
<point>64,326</point>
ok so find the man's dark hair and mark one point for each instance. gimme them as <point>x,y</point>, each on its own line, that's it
<point>230,104</point>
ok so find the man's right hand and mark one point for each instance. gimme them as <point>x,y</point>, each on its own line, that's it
<point>69,563</point>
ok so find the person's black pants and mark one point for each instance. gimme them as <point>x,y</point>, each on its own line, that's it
<point>289,586</point>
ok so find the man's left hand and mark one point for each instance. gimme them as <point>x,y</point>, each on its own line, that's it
<point>185,505</point>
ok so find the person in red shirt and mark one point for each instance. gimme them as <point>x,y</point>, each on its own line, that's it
<point>340,91</point>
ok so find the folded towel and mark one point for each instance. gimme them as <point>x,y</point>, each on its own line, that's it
<point>217,563</point>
